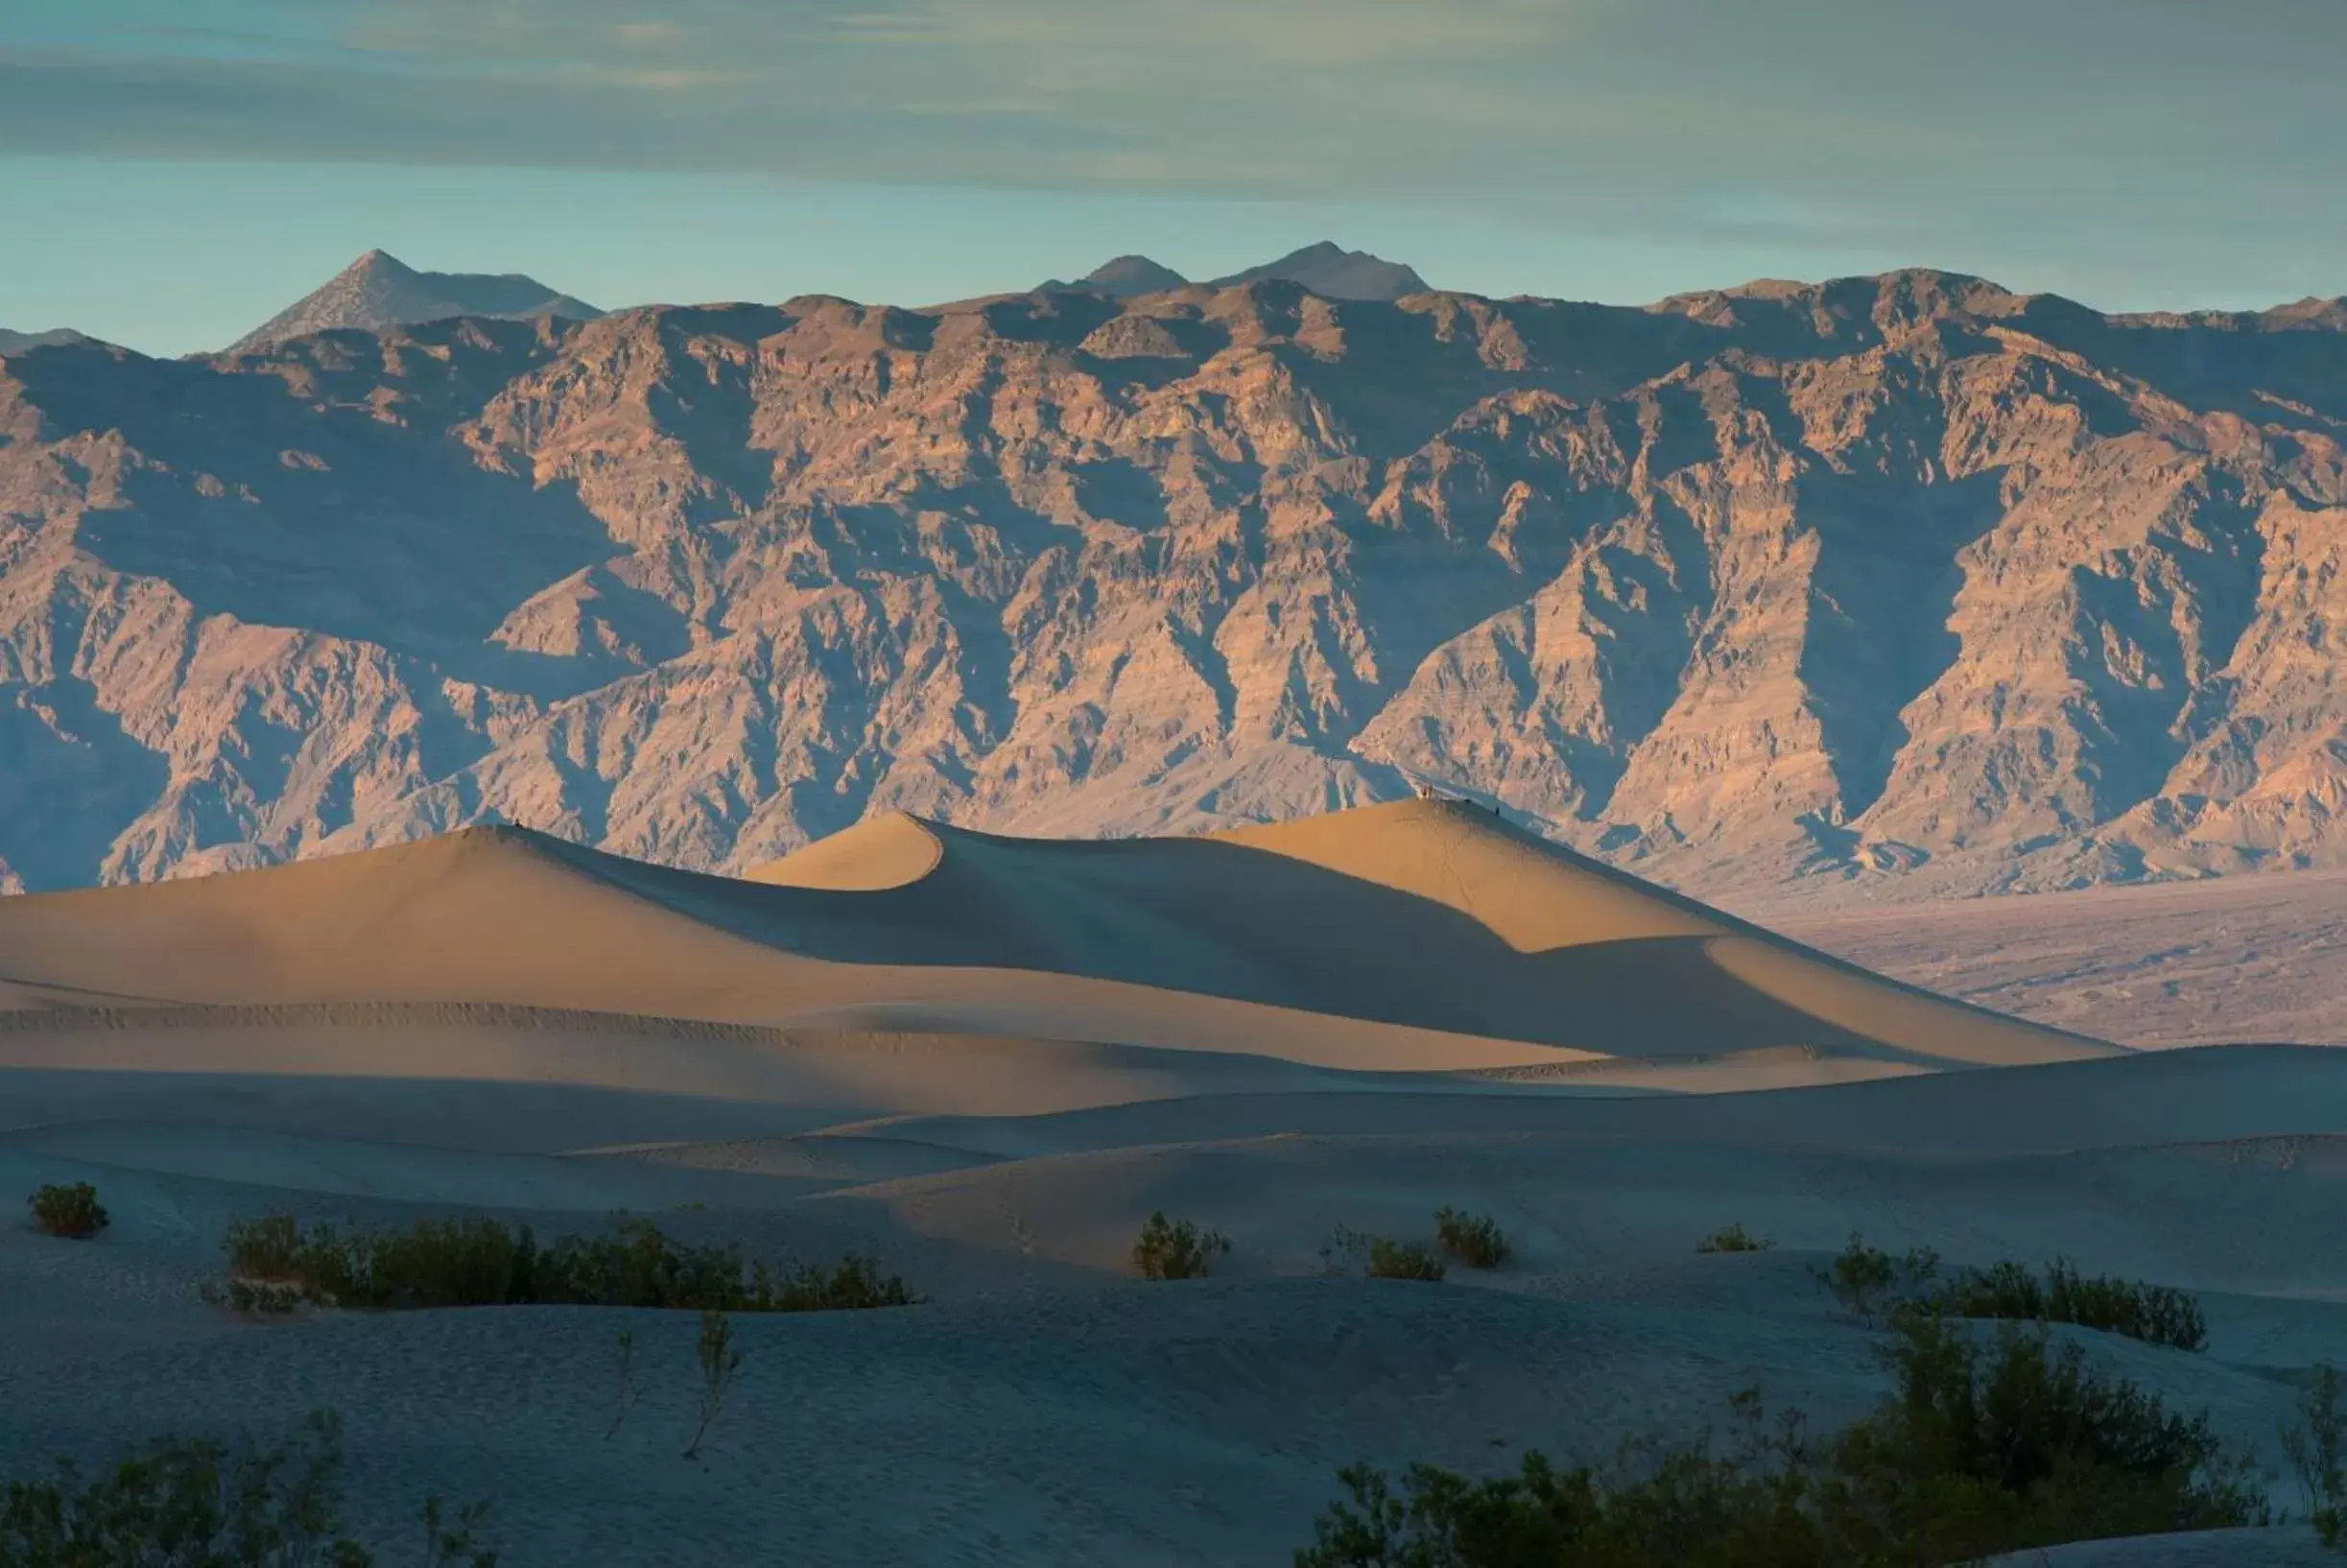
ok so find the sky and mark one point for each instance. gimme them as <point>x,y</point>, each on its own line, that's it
<point>173,171</point>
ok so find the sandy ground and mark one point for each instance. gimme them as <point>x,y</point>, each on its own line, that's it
<point>473,1030</point>
<point>2252,957</point>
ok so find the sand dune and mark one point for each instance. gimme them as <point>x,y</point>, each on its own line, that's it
<point>986,1060</point>
<point>1424,914</point>
<point>1405,937</point>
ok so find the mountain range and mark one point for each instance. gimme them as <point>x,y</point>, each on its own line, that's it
<point>1897,584</point>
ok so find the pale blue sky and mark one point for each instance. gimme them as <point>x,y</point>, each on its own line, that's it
<point>174,171</point>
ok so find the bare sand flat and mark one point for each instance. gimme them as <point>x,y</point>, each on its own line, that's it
<point>986,1061</point>
<point>2197,963</point>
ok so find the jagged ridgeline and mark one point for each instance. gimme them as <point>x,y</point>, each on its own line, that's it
<point>1909,577</point>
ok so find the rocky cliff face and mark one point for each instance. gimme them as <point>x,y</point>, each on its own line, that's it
<point>1905,580</point>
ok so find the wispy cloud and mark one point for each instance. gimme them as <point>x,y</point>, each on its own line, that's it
<point>1821,116</point>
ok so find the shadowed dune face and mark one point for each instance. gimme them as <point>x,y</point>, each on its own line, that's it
<point>1408,936</point>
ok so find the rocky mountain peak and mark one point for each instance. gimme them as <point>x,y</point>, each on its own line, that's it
<point>1125,276</point>
<point>378,291</point>
<point>17,342</point>
<point>1329,270</point>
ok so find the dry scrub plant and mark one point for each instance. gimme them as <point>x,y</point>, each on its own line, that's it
<point>73,1211</point>
<point>1177,1248</point>
<point>1473,1239</point>
<point>1734,1238</point>
<point>2316,1447</point>
<point>1401,1260</point>
<point>200,1502</point>
<point>2058,1293</point>
<point>1869,1281</point>
<point>252,1297</point>
<point>720,1362</point>
<point>1982,1448</point>
<point>474,1261</point>
<point>1380,1257</point>
<point>624,1352</point>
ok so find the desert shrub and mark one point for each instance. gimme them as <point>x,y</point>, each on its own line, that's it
<point>1177,1248</point>
<point>253,1298</point>
<point>2316,1447</point>
<point>853,1284</point>
<point>200,1502</point>
<point>469,1261</point>
<point>1981,1448</point>
<point>1380,1257</point>
<point>1686,1507</point>
<point>1473,1239</point>
<point>1386,1259</point>
<point>71,1211</point>
<point>623,1355</point>
<point>1344,1248</point>
<point>477,1261</point>
<point>2154,1314</point>
<point>638,1266</point>
<point>2015,1441</point>
<point>271,1247</point>
<point>1865,1279</point>
<point>1734,1238</point>
<point>720,1363</point>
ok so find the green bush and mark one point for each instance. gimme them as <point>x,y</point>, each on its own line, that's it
<point>1865,1279</point>
<point>1177,1248</point>
<point>1734,1238</point>
<point>1473,1239</point>
<point>1982,1448</point>
<point>2155,1314</point>
<point>181,1502</point>
<point>1401,1260</point>
<point>2317,1449</point>
<point>73,1212</point>
<point>476,1261</point>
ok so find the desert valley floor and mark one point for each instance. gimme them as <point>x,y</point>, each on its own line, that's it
<point>986,1061</point>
